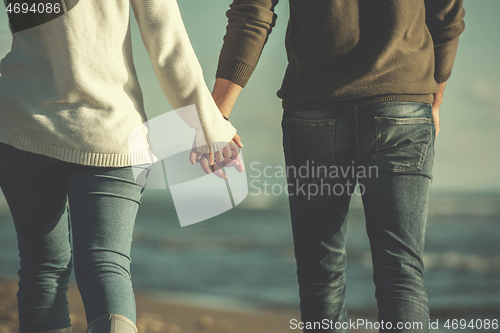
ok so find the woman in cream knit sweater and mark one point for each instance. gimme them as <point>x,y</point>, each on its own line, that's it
<point>69,99</point>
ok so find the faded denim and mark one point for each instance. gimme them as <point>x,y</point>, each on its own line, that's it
<point>395,140</point>
<point>103,204</point>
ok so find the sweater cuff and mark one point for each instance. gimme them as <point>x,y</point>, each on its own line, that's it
<point>442,78</point>
<point>214,141</point>
<point>234,70</point>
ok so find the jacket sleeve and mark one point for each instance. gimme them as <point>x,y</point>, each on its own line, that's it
<point>445,21</point>
<point>179,72</point>
<point>249,24</point>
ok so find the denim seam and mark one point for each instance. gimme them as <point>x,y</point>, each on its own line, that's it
<point>404,121</point>
<point>309,122</point>
<point>106,195</point>
<point>356,134</point>
<point>285,125</point>
<point>392,103</point>
<point>119,179</point>
<point>418,167</point>
<point>331,133</point>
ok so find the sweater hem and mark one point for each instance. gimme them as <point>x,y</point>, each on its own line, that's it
<point>76,156</point>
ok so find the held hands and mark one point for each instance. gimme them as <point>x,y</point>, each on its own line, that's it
<point>225,94</point>
<point>229,156</point>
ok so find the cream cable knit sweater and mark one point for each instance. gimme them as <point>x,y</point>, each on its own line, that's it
<point>69,90</point>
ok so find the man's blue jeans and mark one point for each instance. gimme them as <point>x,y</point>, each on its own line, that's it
<point>103,204</point>
<point>388,149</point>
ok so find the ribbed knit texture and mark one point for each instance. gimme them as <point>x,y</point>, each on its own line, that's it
<point>69,89</point>
<point>235,71</point>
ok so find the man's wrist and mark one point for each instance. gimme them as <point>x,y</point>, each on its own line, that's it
<point>225,95</point>
<point>438,97</point>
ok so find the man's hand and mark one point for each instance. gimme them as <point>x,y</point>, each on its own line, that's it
<point>438,100</point>
<point>214,162</point>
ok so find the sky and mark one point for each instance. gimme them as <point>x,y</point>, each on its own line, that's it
<point>468,147</point>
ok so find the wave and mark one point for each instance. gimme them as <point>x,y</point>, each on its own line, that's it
<point>461,261</point>
<point>449,260</point>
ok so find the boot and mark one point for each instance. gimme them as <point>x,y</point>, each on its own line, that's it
<point>112,323</point>
<point>60,330</point>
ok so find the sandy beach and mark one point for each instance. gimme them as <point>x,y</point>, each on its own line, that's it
<point>155,316</point>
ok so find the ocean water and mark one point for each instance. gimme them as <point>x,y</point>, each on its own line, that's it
<point>243,259</point>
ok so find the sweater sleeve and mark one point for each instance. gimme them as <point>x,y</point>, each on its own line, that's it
<point>445,22</point>
<point>249,24</point>
<point>179,72</point>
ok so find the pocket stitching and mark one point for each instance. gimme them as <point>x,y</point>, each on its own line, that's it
<point>402,121</point>
<point>313,123</point>
<point>309,122</point>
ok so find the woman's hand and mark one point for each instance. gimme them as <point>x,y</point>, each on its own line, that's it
<point>229,156</point>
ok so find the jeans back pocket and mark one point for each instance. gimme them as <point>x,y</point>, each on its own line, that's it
<point>309,145</point>
<point>402,143</point>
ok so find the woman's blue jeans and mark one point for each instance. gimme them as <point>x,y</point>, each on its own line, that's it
<point>388,149</point>
<point>102,204</point>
